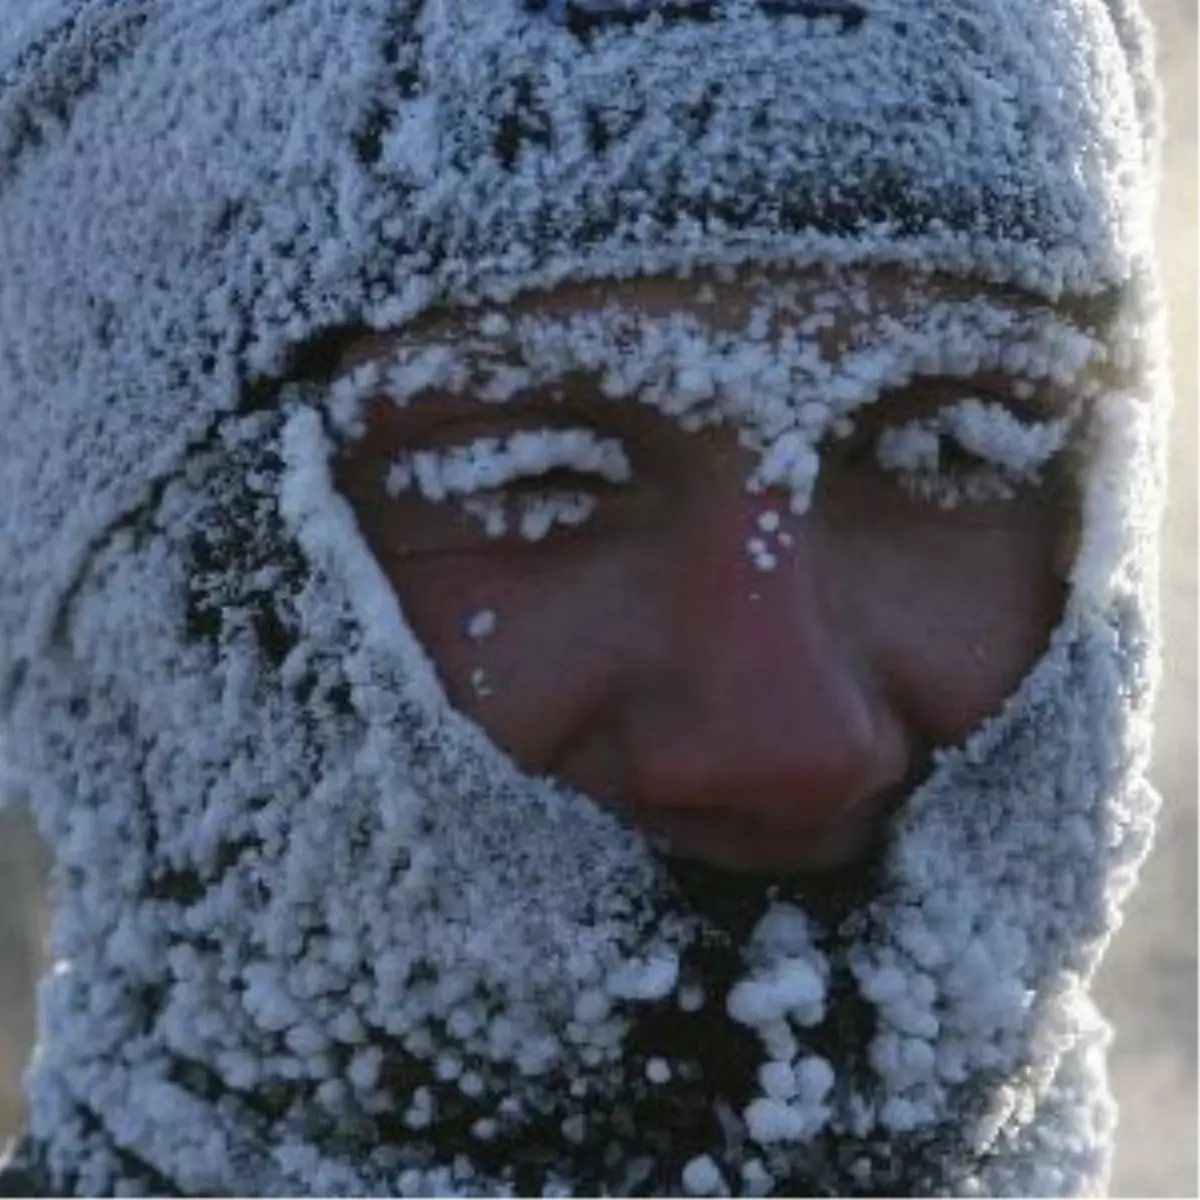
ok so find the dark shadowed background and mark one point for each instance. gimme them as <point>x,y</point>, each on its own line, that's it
<point>1148,985</point>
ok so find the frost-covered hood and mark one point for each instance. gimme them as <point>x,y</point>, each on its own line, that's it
<point>304,941</point>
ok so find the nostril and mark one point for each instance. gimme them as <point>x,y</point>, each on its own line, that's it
<point>740,839</point>
<point>790,777</point>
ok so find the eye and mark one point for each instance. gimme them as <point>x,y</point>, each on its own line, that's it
<point>959,455</point>
<point>533,508</point>
<point>504,491</point>
<point>975,451</point>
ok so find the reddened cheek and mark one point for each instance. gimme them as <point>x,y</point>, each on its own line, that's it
<point>532,649</point>
<point>995,625</point>
<point>543,650</point>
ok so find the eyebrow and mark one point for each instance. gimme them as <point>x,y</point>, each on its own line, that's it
<point>321,358</point>
<point>445,418</point>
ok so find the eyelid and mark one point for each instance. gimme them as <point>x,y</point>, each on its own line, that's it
<point>468,467</point>
<point>928,396</point>
<point>434,420</point>
<point>926,399</point>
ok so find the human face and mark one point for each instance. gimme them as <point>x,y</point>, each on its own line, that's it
<point>758,720</point>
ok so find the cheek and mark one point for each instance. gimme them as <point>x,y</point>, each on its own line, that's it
<point>562,632</point>
<point>944,621</point>
<point>954,619</point>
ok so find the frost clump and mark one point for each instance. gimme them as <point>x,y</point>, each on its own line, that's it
<point>780,380</point>
<point>793,1105</point>
<point>790,462</point>
<point>645,979</point>
<point>785,991</point>
<point>765,547</point>
<point>481,624</point>
<point>1010,452</point>
<point>702,1177</point>
<point>993,432</point>
<point>658,1071</point>
<point>488,463</point>
<point>482,477</point>
<point>540,514</point>
<point>789,988</point>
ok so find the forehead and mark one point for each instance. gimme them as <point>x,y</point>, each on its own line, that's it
<point>845,298</point>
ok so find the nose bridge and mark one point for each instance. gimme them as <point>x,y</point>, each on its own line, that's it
<point>769,706</point>
<point>766,639</point>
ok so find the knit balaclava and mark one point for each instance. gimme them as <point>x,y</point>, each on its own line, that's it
<point>313,931</point>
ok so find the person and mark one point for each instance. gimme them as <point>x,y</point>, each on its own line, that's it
<point>578,612</point>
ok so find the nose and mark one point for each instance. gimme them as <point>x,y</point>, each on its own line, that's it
<point>766,742</point>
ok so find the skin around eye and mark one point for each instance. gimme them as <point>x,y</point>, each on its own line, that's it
<point>979,460</point>
<point>498,483</point>
<point>497,491</point>
<point>650,659</point>
<point>530,508</point>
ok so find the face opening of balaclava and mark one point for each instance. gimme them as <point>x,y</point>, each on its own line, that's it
<point>314,932</point>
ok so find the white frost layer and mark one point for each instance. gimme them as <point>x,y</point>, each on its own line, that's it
<point>774,379</point>
<point>702,1177</point>
<point>949,960</point>
<point>271,870</point>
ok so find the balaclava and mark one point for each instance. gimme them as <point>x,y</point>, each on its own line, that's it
<point>313,931</point>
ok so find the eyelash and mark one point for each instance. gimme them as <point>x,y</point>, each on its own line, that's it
<point>973,451</point>
<point>538,479</point>
<point>536,511</point>
<point>534,480</point>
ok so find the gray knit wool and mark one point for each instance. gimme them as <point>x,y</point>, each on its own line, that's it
<point>306,938</point>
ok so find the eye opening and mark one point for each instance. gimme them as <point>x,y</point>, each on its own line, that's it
<point>948,442</point>
<point>558,480</point>
<point>470,488</point>
<point>490,463</point>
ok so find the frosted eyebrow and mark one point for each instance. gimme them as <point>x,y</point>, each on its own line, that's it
<point>773,380</point>
<point>322,357</point>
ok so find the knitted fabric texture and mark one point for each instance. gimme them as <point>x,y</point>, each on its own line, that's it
<point>304,941</point>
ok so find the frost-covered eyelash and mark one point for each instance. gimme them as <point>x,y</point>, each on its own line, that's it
<point>1012,452</point>
<point>476,473</point>
<point>486,464</point>
<point>785,393</point>
<point>535,515</point>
